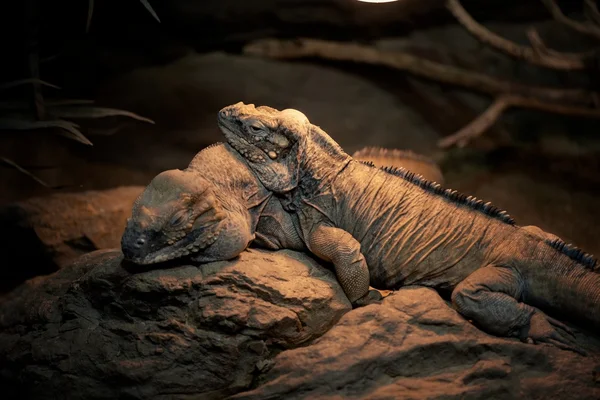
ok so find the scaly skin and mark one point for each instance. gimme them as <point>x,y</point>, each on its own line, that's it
<point>390,228</point>
<point>210,211</point>
<point>215,208</point>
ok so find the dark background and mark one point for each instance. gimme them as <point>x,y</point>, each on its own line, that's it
<point>542,168</point>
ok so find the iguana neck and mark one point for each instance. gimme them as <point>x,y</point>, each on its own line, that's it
<point>242,191</point>
<point>322,161</point>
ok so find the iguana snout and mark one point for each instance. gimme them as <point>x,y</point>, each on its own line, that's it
<point>268,139</point>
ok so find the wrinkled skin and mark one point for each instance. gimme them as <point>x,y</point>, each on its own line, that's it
<point>374,227</point>
<point>181,214</point>
<point>212,211</point>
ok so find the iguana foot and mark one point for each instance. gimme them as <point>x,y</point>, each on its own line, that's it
<point>372,297</point>
<point>545,329</point>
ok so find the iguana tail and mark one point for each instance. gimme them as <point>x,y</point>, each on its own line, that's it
<point>414,162</point>
<point>565,280</point>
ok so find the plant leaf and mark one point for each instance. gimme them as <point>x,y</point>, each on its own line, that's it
<point>68,102</point>
<point>96,112</point>
<point>19,82</point>
<point>67,128</point>
<point>23,170</point>
<point>89,16</point>
<point>21,105</point>
<point>150,9</point>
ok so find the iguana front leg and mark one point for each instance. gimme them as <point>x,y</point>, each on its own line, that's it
<point>490,297</point>
<point>340,248</point>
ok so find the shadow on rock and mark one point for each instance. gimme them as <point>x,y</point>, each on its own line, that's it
<point>94,330</point>
<point>414,346</point>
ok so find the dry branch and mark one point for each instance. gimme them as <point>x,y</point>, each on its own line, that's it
<point>549,59</point>
<point>581,27</point>
<point>508,94</point>
<point>539,46</point>
<point>591,11</point>
<point>499,106</point>
<point>476,81</point>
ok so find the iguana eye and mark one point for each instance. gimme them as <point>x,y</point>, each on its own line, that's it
<point>256,128</point>
<point>178,218</point>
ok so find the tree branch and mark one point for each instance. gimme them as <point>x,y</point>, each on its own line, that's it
<point>539,46</point>
<point>489,117</point>
<point>581,27</point>
<point>591,11</point>
<point>310,48</point>
<point>554,60</point>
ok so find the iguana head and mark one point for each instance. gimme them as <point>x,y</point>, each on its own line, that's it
<point>177,214</point>
<point>270,140</point>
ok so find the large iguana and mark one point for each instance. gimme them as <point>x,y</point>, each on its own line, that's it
<point>390,227</point>
<point>216,207</point>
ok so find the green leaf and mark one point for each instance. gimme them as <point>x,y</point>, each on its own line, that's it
<point>23,170</point>
<point>19,82</point>
<point>67,128</point>
<point>150,9</point>
<point>95,112</point>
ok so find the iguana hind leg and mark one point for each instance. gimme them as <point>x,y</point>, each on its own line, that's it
<point>339,247</point>
<point>490,297</point>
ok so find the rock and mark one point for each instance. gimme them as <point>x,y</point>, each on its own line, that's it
<point>98,329</point>
<point>415,346</point>
<point>43,234</point>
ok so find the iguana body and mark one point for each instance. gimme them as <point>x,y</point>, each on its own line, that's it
<point>216,207</point>
<point>390,227</point>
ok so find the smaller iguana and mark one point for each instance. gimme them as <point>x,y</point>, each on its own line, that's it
<point>390,227</point>
<point>216,207</point>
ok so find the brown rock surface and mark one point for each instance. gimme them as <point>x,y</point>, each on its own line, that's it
<point>97,330</point>
<point>43,234</point>
<point>414,346</point>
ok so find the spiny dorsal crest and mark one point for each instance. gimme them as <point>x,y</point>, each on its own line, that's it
<point>573,252</point>
<point>369,163</point>
<point>452,195</point>
<point>392,153</point>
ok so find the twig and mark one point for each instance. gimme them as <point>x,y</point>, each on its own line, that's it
<point>591,11</point>
<point>476,81</point>
<point>553,60</point>
<point>540,47</point>
<point>489,117</point>
<point>581,27</point>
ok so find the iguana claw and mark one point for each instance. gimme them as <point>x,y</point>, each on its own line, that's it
<point>545,329</point>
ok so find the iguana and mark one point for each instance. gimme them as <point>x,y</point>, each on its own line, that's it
<point>216,207</point>
<point>389,227</point>
<point>210,211</point>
